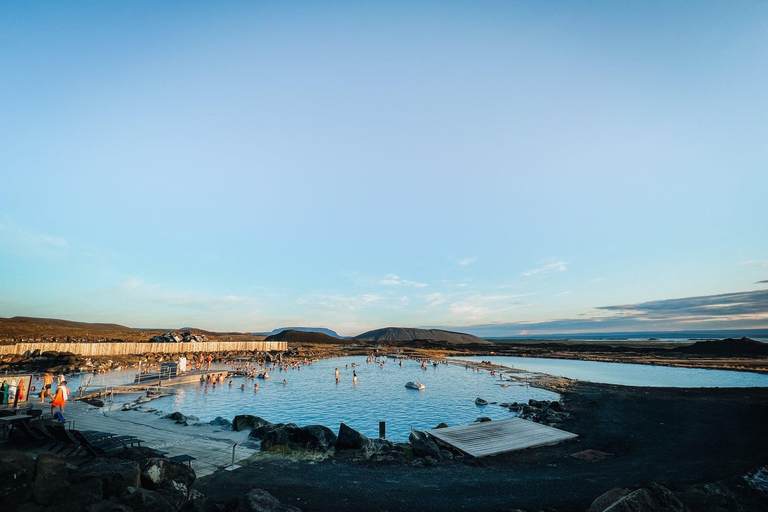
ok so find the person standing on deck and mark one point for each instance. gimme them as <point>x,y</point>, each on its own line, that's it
<point>47,383</point>
<point>61,397</point>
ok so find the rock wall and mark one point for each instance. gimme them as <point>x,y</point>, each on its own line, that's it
<point>128,348</point>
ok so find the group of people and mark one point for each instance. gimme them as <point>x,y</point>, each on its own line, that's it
<point>59,397</point>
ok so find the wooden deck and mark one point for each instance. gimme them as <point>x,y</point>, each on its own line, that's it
<point>499,436</point>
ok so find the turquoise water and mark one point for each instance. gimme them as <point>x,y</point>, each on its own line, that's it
<point>312,396</point>
<point>631,374</point>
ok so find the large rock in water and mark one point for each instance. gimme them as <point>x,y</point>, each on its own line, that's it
<point>258,500</point>
<point>351,439</point>
<point>653,498</point>
<point>423,446</point>
<point>16,471</point>
<point>50,477</point>
<point>246,421</point>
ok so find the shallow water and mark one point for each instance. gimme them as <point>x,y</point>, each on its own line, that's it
<point>631,374</point>
<point>312,396</point>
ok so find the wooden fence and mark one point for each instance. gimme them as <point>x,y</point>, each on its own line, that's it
<point>132,347</point>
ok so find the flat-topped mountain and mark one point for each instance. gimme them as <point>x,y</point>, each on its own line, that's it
<point>408,334</point>
<point>728,346</point>
<point>322,330</point>
<point>295,336</point>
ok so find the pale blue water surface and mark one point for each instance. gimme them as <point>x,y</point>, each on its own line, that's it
<point>631,374</point>
<point>311,396</point>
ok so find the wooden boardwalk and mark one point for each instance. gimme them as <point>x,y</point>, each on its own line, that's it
<point>499,436</point>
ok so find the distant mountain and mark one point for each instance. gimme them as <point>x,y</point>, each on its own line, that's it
<point>27,321</point>
<point>727,347</point>
<point>323,330</point>
<point>407,334</point>
<point>296,336</point>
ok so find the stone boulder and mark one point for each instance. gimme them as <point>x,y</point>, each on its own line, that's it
<point>144,500</point>
<point>221,422</point>
<point>50,477</point>
<point>423,446</point>
<point>75,497</point>
<point>116,475</point>
<point>314,437</point>
<point>156,471</point>
<point>107,506</point>
<point>16,472</point>
<point>246,421</point>
<point>441,425</point>
<point>351,439</point>
<point>258,500</point>
<point>260,431</point>
<point>281,436</point>
<point>741,493</point>
<point>482,419</point>
<point>653,498</point>
<point>179,418</point>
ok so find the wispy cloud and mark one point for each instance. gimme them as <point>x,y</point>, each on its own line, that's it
<point>337,301</point>
<point>435,299</point>
<point>22,239</point>
<point>723,311</point>
<point>762,282</point>
<point>558,266</point>
<point>395,280</point>
<point>756,263</point>
<point>486,307</point>
<point>136,289</point>
<point>467,261</point>
<point>565,293</point>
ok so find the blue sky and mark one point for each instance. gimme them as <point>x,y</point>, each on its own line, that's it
<point>251,165</point>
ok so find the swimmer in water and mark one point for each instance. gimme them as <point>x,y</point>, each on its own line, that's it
<point>242,387</point>
<point>256,387</point>
<point>284,382</point>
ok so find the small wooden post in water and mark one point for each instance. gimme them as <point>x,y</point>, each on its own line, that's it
<point>382,429</point>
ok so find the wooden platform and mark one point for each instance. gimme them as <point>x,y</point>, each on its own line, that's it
<point>499,436</point>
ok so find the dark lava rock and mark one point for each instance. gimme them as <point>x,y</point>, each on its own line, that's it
<point>556,406</point>
<point>75,497</point>
<point>144,500</point>
<point>351,439</point>
<point>16,472</point>
<point>482,419</point>
<point>423,446</point>
<point>258,500</point>
<point>741,493</point>
<point>280,436</point>
<point>378,445</point>
<point>537,403</point>
<point>107,506</point>
<point>116,475</point>
<point>314,437</point>
<point>261,431</point>
<point>653,498</point>
<point>177,417</point>
<point>246,421</point>
<point>442,425</point>
<point>50,477</point>
<point>221,422</point>
<point>155,472</point>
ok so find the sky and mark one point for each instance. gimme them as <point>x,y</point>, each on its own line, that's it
<point>548,166</point>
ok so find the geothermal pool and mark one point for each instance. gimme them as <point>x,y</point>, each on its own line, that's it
<point>631,374</point>
<point>312,396</point>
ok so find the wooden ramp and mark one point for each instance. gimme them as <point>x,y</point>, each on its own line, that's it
<point>499,436</point>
